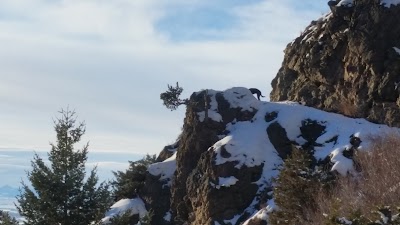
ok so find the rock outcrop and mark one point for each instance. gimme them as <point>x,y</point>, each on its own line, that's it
<point>220,170</point>
<point>347,62</point>
<point>231,147</point>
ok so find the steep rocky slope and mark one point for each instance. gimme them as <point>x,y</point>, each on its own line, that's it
<point>219,171</point>
<point>221,168</point>
<point>347,61</point>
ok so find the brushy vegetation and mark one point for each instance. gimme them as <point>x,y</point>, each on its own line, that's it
<point>372,195</point>
<point>348,108</point>
<point>296,185</point>
<point>129,183</point>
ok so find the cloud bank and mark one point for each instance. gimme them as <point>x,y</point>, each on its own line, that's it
<point>110,60</point>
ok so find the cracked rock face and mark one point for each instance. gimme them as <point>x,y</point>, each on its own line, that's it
<point>347,62</point>
<point>220,170</point>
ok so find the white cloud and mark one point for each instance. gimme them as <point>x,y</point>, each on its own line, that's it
<point>109,61</point>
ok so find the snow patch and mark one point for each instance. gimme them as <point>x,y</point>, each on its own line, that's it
<point>227,181</point>
<point>397,50</point>
<point>262,214</point>
<point>167,217</point>
<point>341,163</point>
<point>233,220</point>
<point>247,143</point>
<point>345,221</point>
<point>345,3</point>
<point>164,169</point>
<point>211,114</point>
<point>136,206</point>
<point>213,110</point>
<point>239,97</point>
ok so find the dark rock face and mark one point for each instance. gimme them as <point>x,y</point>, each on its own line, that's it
<point>346,62</point>
<point>277,135</point>
<point>156,196</point>
<point>225,158</point>
<point>196,138</point>
<point>167,151</point>
<point>213,202</point>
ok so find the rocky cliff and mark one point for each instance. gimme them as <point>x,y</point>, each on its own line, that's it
<point>348,62</point>
<point>231,147</point>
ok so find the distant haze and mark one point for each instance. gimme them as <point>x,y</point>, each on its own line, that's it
<point>14,164</point>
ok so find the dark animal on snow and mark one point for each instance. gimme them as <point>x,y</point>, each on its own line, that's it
<point>257,92</point>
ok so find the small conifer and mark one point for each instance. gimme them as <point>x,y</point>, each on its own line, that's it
<point>61,192</point>
<point>129,183</point>
<point>6,219</point>
<point>171,98</point>
<point>294,190</point>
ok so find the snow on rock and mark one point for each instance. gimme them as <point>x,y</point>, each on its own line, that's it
<point>341,164</point>
<point>211,114</point>
<point>213,110</point>
<point>390,3</point>
<point>261,215</point>
<point>247,143</point>
<point>239,97</point>
<point>224,182</point>
<point>167,217</point>
<point>164,169</point>
<point>311,29</point>
<point>233,220</point>
<point>397,50</point>
<point>345,221</point>
<point>250,143</point>
<point>227,181</point>
<point>248,146</point>
<point>136,206</point>
<point>345,3</point>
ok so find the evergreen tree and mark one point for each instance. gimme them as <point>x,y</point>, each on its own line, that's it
<point>6,219</point>
<point>171,98</point>
<point>146,220</point>
<point>129,183</point>
<point>125,218</point>
<point>294,191</point>
<point>61,194</point>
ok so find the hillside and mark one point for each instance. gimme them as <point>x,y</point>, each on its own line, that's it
<point>336,92</point>
<point>221,170</point>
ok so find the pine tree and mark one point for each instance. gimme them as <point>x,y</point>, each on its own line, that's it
<point>129,183</point>
<point>125,218</point>
<point>146,220</point>
<point>6,219</point>
<point>171,98</point>
<point>294,191</point>
<point>62,193</point>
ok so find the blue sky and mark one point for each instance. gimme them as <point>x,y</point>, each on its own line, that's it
<point>110,60</point>
<point>14,163</point>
